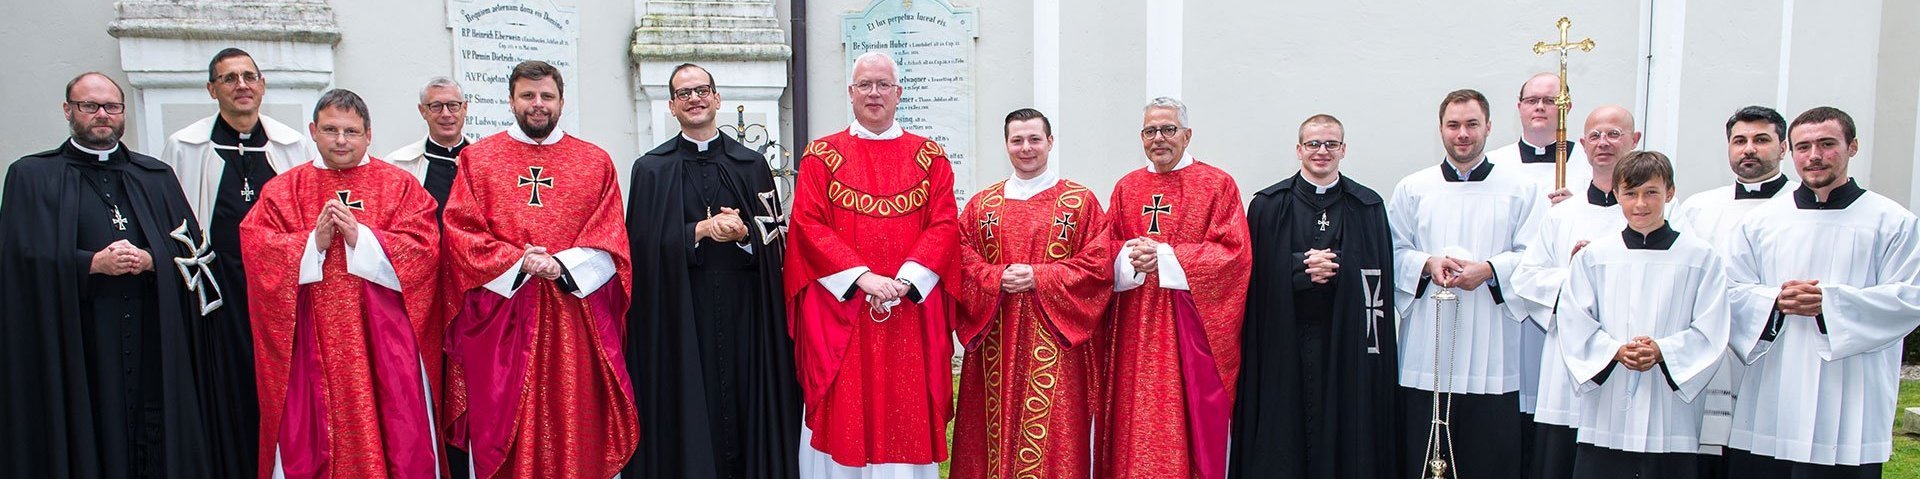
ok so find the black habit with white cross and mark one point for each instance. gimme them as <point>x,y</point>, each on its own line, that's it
<point>99,369</point>
<point>707,342</point>
<point>1319,362</point>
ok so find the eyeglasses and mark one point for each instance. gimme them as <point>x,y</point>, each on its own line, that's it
<point>91,107</point>
<point>350,133</point>
<point>233,78</point>
<point>1536,100</point>
<point>685,94</point>
<point>1610,135</point>
<point>446,106</point>
<point>1152,132</point>
<point>872,86</point>
<point>1329,145</point>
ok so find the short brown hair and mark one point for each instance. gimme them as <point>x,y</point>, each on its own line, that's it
<point>535,70</point>
<point>1025,114</point>
<point>1324,119</point>
<point>1642,167</point>
<point>1824,114</point>
<point>1464,95</point>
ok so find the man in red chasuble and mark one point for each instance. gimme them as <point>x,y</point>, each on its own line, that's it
<point>1035,269</point>
<point>1169,352</point>
<point>873,235</point>
<point>537,247</point>
<point>343,252</point>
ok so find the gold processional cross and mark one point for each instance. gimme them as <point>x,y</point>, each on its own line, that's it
<point>1562,101</point>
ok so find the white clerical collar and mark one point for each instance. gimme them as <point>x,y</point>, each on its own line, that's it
<point>321,163</point>
<point>551,138</point>
<point>1020,190</point>
<point>99,153</point>
<point>1749,187</point>
<point>1537,150</point>
<point>1320,189</point>
<point>1186,159</point>
<point>701,144</point>
<point>445,147</point>
<point>863,133</point>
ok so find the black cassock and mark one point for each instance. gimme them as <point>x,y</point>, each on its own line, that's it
<point>707,341</point>
<point>1319,362</point>
<point>99,371</point>
<point>225,349</point>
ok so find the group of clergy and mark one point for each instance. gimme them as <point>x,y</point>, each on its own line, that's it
<point>291,306</point>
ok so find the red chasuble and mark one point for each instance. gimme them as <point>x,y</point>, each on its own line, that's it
<point>341,362</point>
<point>541,386</point>
<point>1171,356</point>
<point>878,386</point>
<point>1024,389</point>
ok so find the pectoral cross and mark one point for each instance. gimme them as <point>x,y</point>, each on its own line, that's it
<point>991,221</point>
<point>774,224</point>
<point>355,204</point>
<point>1157,208</point>
<point>1563,101</point>
<point>1066,224</point>
<point>194,268</point>
<point>246,189</point>
<point>535,181</point>
<point>119,222</point>
<point>1323,221</point>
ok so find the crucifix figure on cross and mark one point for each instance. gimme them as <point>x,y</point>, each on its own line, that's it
<point>1562,101</point>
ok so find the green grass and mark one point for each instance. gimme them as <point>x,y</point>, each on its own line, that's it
<point>1906,449</point>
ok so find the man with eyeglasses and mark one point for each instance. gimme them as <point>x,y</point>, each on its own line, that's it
<point>873,236</point>
<point>1756,141</point>
<point>435,159</point>
<point>1462,225</point>
<point>344,256</point>
<point>1532,157</point>
<point>707,334</point>
<point>537,253</point>
<point>223,162</point>
<point>1320,362</point>
<point>1825,286</point>
<point>1170,348</point>
<point>1564,230</point>
<point>98,322</point>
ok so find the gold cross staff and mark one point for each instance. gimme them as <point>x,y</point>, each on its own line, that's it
<point>1563,101</point>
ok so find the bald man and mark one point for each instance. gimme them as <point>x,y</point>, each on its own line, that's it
<point>1608,135</point>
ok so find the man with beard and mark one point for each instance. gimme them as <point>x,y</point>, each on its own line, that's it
<point>535,244</point>
<point>1824,286</point>
<point>1462,225</point>
<point>95,241</point>
<point>707,338</point>
<point>1756,140</point>
<point>223,161</point>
